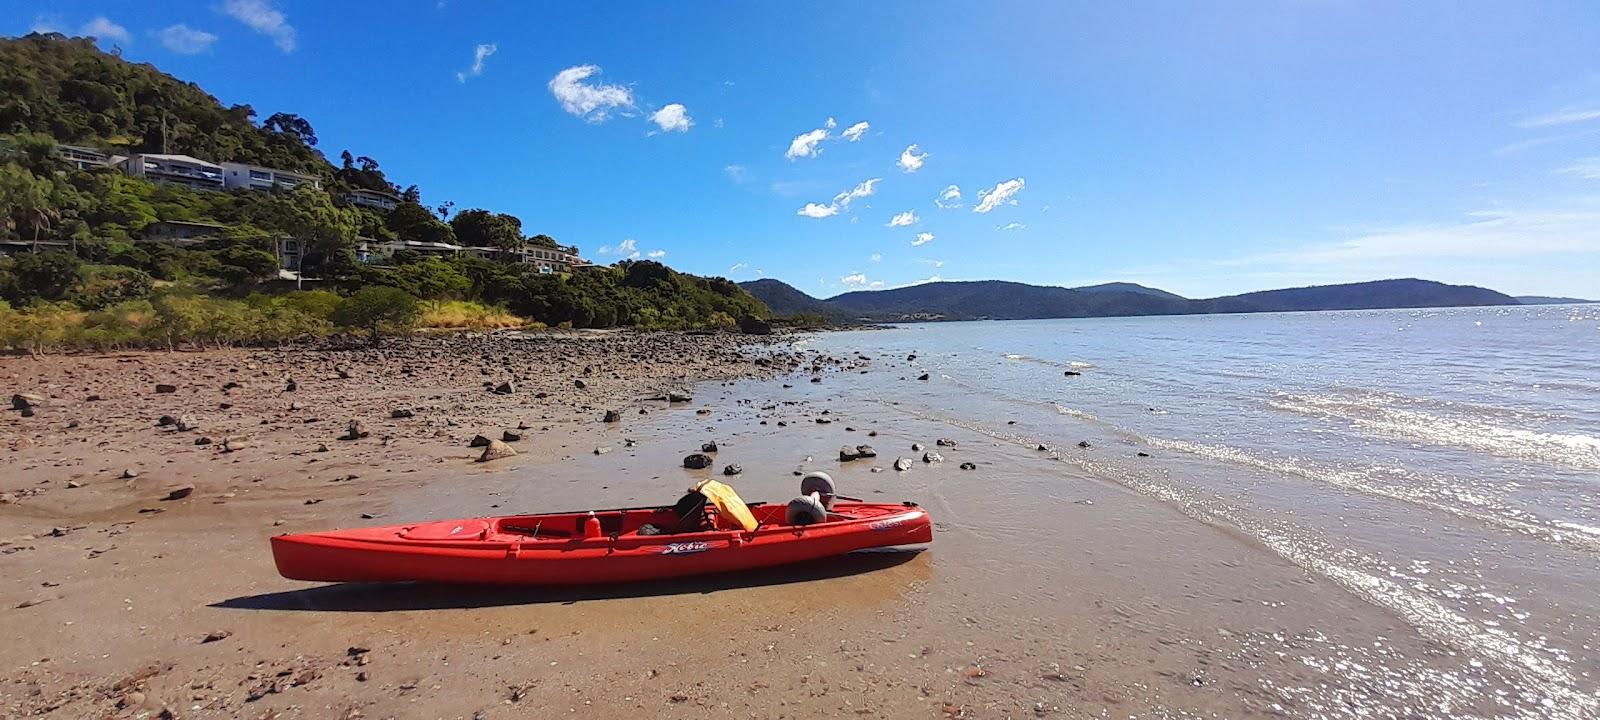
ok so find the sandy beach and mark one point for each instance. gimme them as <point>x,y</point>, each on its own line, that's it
<point>1048,592</point>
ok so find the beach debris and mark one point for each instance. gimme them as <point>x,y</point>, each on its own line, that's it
<point>697,461</point>
<point>354,431</point>
<point>613,416</point>
<point>164,388</point>
<point>709,447</point>
<point>511,436</point>
<point>603,449</point>
<point>732,470</point>
<point>902,464</point>
<point>496,450</point>
<point>505,388</point>
<point>180,492</point>
<point>478,441</point>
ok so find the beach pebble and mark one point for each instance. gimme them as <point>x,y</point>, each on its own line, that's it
<point>511,436</point>
<point>902,464</point>
<point>354,431</point>
<point>401,413</point>
<point>709,447</point>
<point>164,388</point>
<point>923,376</point>
<point>496,450</point>
<point>612,416</point>
<point>969,466</point>
<point>1083,443</point>
<point>732,470</point>
<point>505,388</point>
<point>25,401</point>
<point>179,493</point>
<point>932,457</point>
<point>697,461</point>
<point>579,384</point>
<point>130,474</point>
<point>945,442</point>
<point>916,447</point>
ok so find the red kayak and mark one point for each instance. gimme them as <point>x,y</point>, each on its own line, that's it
<point>591,547</point>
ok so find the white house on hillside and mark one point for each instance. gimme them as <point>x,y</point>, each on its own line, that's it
<point>256,177</point>
<point>192,172</point>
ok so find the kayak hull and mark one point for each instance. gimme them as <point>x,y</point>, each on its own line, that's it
<point>555,549</point>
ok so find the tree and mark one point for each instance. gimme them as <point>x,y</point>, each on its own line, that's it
<point>411,221</point>
<point>291,125</point>
<point>481,228</point>
<point>379,311</point>
<point>309,215</point>
<point>46,275</point>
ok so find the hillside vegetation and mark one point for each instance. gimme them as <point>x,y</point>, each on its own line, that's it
<point>86,270</point>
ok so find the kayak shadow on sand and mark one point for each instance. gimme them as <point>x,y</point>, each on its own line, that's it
<point>388,597</point>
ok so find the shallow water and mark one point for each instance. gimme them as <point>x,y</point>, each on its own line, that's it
<point>1441,465</point>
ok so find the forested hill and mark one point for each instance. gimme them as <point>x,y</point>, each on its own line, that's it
<point>72,91</point>
<point>999,300</point>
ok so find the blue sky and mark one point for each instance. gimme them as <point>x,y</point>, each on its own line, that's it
<point>1205,148</point>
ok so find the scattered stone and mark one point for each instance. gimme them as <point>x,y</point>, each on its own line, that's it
<point>1071,373</point>
<point>511,436</point>
<point>902,464</point>
<point>215,635</point>
<point>505,388</point>
<point>355,431</point>
<point>1083,443</point>
<point>923,376</point>
<point>968,466</point>
<point>916,447</point>
<point>166,421</point>
<point>603,449</point>
<point>732,470</point>
<point>1143,454</point>
<point>344,372</point>
<point>496,450</point>
<point>1044,448</point>
<point>291,385</point>
<point>74,484</point>
<point>932,457</point>
<point>234,444</point>
<point>296,405</point>
<point>179,493</point>
<point>816,380</point>
<point>709,447</point>
<point>613,416</point>
<point>164,388</point>
<point>847,453</point>
<point>186,423</point>
<point>945,442</point>
<point>579,384</point>
<point>697,461</point>
<point>202,440</point>
<point>26,401</point>
<point>322,447</point>
<point>401,413</point>
<point>479,441</point>
<point>129,474</point>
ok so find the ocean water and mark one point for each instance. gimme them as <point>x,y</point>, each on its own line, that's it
<point>1442,465</point>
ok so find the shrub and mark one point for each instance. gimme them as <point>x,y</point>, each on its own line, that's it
<point>102,286</point>
<point>467,315</point>
<point>379,311</point>
<point>46,275</point>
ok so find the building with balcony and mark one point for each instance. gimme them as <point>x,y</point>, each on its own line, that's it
<point>194,173</point>
<point>375,251</point>
<point>180,233</point>
<point>86,158</point>
<point>373,199</point>
<point>255,177</point>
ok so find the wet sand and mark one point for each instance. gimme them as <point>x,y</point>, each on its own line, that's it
<point>1047,592</point>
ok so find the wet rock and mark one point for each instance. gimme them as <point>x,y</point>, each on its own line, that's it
<point>1071,373</point>
<point>505,388</point>
<point>916,447</point>
<point>709,447</point>
<point>613,416</point>
<point>1083,443</point>
<point>752,325</point>
<point>931,457</point>
<point>401,413</point>
<point>1143,454</point>
<point>26,401</point>
<point>479,441</point>
<point>215,636</point>
<point>354,431</point>
<point>847,453</point>
<point>603,449</point>
<point>865,451</point>
<point>511,436</point>
<point>969,466</point>
<point>732,470</point>
<point>902,464</point>
<point>923,376</point>
<point>697,461</point>
<point>1043,447</point>
<point>496,450</point>
<point>945,442</point>
<point>202,440</point>
<point>164,388</point>
<point>179,493</point>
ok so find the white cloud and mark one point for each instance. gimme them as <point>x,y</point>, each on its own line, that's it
<point>737,267</point>
<point>998,195</point>
<point>185,40</point>
<point>672,118</point>
<point>948,198</point>
<point>934,263</point>
<point>807,144</point>
<point>628,248</point>
<point>865,189</point>
<point>1586,168</point>
<point>831,123</point>
<point>263,18</point>
<point>102,28</point>
<point>877,257</point>
<point>1562,117</point>
<point>46,24</point>
<point>737,173</point>
<point>593,102</point>
<point>904,219</point>
<point>910,160</point>
<point>813,210</point>
<point>854,279</point>
<point>923,238</point>
<point>656,254</point>
<point>856,132</point>
<point>1011,226</point>
<point>479,54</point>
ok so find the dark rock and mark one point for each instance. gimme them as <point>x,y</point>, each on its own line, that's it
<point>923,376</point>
<point>179,493</point>
<point>202,440</point>
<point>165,388</point>
<point>709,447</point>
<point>479,441</point>
<point>816,379</point>
<point>511,436</point>
<point>26,401</point>
<point>865,451</point>
<point>579,384</point>
<point>932,457</point>
<point>732,470</point>
<point>401,413</point>
<point>902,464</point>
<point>847,453</point>
<point>291,385</point>
<point>697,461</point>
<point>1143,454</point>
<point>215,636</point>
<point>968,466</point>
<point>505,388</point>
<point>1071,373</point>
<point>1083,443</point>
<point>354,431</point>
<point>945,442</point>
<point>752,325</point>
<point>166,420</point>
<point>613,416</point>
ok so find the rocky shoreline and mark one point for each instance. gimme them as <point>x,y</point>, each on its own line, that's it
<point>111,457</point>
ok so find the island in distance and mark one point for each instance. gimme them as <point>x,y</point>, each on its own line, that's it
<point>1002,300</point>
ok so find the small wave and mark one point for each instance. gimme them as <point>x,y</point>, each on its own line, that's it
<point>1072,412</point>
<point>1389,416</point>
<point>1075,364</point>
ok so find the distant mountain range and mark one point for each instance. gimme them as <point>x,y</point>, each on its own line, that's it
<point>1002,300</point>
